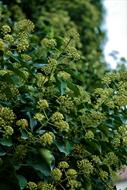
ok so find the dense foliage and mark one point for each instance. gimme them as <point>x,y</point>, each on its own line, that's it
<point>62,112</point>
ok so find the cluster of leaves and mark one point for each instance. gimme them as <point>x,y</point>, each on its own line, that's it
<point>54,132</point>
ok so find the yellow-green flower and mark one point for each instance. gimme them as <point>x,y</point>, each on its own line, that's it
<point>8,38</point>
<point>2,45</point>
<point>45,186</point>
<point>71,173</point>
<point>62,125</point>
<point>57,116</point>
<point>22,123</point>
<point>56,174</point>
<point>46,138</point>
<point>63,75</point>
<point>73,184</point>
<point>6,29</point>
<point>24,25</point>
<point>85,166</point>
<point>8,131</point>
<point>49,43</point>
<point>39,117</point>
<point>42,104</point>
<point>22,45</point>
<point>31,185</point>
<point>89,135</point>
<point>63,165</point>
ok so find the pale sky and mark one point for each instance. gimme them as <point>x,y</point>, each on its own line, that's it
<point>116,25</point>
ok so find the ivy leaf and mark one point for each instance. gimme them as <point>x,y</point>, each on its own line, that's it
<point>6,141</point>
<point>73,87</point>
<point>63,86</point>
<point>22,181</point>
<point>2,152</point>
<point>47,156</point>
<point>64,148</point>
<point>37,160</point>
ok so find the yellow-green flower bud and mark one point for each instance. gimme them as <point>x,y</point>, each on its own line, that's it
<point>22,45</point>
<point>26,57</point>
<point>9,38</point>
<point>31,185</point>
<point>125,140</point>
<point>85,166</point>
<point>71,173</point>
<point>73,184</point>
<point>20,151</point>
<point>22,123</point>
<point>96,159</point>
<point>39,117</point>
<point>89,135</point>
<point>63,165</point>
<point>46,139</point>
<point>24,25</point>
<point>56,174</point>
<point>8,131</point>
<point>45,186</point>
<point>42,104</point>
<point>62,125</point>
<point>49,43</point>
<point>57,116</point>
<point>63,75</point>
<point>6,29</point>
<point>2,44</point>
<point>103,175</point>
<point>7,114</point>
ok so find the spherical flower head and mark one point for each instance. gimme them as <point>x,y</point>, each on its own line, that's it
<point>9,38</point>
<point>6,29</point>
<point>72,33</point>
<point>110,159</point>
<point>73,184</point>
<point>89,135</point>
<point>26,57</point>
<point>8,131</point>
<point>2,122</point>
<point>48,43</point>
<point>22,123</point>
<point>7,114</point>
<point>24,25</point>
<point>42,104</point>
<point>63,165</point>
<point>73,53</point>
<point>21,151</point>
<point>62,125</point>
<point>57,116</point>
<point>96,159</point>
<point>45,186</point>
<point>63,75</point>
<point>71,173</point>
<point>52,62</point>
<point>46,139</point>
<point>85,166</point>
<point>39,117</point>
<point>107,79</point>
<point>117,141</point>
<point>103,175</point>
<point>125,140</point>
<point>122,130</point>
<point>2,45</point>
<point>56,174</point>
<point>22,45</point>
<point>31,185</point>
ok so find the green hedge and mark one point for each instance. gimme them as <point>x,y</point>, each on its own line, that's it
<point>62,113</point>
